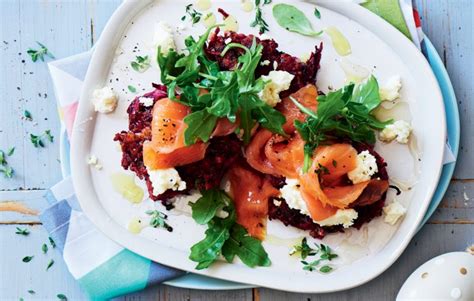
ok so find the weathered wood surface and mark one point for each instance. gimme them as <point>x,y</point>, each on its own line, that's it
<point>69,27</point>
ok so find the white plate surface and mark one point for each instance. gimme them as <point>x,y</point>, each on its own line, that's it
<point>364,253</point>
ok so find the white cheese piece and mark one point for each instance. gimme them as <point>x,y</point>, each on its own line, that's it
<point>265,63</point>
<point>164,179</point>
<point>292,195</point>
<point>92,160</point>
<point>391,90</point>
<point>400,130</point>
<point>366,168</point>
<point>344,217</point>
<point>278,81</point>
<point>163,37</point>
<point>104,100</point>
<point>146,101</point>
<point>228,40</point>
<point>393,212</point>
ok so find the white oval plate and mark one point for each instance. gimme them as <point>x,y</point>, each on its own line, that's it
<point>364,253</point>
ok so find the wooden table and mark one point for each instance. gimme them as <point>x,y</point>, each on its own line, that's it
<point>71,27</point>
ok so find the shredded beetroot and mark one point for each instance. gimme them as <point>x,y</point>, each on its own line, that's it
<point>293,217</point>
<point>304,72</point>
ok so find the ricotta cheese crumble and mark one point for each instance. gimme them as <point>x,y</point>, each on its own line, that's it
<point>393,212</point>
<point>164,179</point>
<point>391,90</point>
<point>104,100</point>
<point>366,168</point>
<point>400,131</point>
<point>278,81</point>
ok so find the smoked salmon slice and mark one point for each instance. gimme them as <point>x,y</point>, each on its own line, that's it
<point>166,148</point>
<point>307,96</point>
<point>251,193</point>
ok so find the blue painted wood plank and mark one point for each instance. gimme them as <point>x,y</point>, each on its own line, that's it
<point>449,24</point>
<point>26,85</point>
<point>18,277</point>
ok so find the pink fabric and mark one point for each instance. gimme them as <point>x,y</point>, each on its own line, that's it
<point>69,114</point>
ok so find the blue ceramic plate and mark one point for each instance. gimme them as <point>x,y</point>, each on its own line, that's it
<point>192,281</point>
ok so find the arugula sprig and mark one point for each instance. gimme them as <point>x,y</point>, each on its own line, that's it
<point>223,235</point>
<point>304,251</point>
<point>39,54</point>
<point>345,113</point>
<point>232,94</point>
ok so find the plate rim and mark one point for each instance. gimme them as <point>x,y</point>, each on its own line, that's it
<point>91,206</point>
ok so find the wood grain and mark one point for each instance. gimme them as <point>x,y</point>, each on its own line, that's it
<point>69,27</point>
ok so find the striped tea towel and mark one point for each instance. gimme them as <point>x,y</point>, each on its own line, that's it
<point>103,268</point>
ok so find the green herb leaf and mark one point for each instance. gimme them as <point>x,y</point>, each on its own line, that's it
<point>20,231</point>
<point>325,269</point>
<point>39,54</point>
<point>317,13</point>
<point>44,248</point>
<point>141,63</point>
<point>27,258</point>
<point>36,140</point>
<point>50,264</point>
<point>367,94</point>
<point>158,219</point>
<point>51,242</point>
<point>61,297</point>
<point>2,158</point>
<point>27,115</point>
<point>304,250</point>
<point>31,292</point>
<point>10,151</point>
<point>246,247</point>
<point>48,135</point>
<point>259,21</point>
<point>132,89</point>
<point>7,172</point>
<point>206,207</point>
<point>292,19</point>
<point>194,15</point>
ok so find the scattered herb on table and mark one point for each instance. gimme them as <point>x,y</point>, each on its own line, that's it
<point>232,94</point>
<point>344,113</point>
<point>141,63</point>
<point>20,231</point>
<point>39,54</point>
<point>27,258</point>
<point>21,299</point>
<point>193,14</point>
<point>132,89</point>
<point>223,235</point>
<point>61,297</point>
<point>27,115</point>
<point>259,21</point>
<point>31,292</point>
<point>51,242</point>
<point>50,264</point>
<point>11,151</point>
<point>37,140</point>
<point>317,13</point>
<point>293,19</point>
<point>4,167</point>
<point>158,220</point>
<point>304,251</point>
<point>44,248</point>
